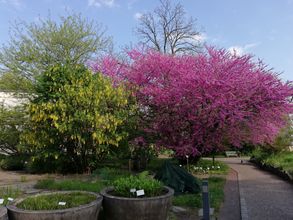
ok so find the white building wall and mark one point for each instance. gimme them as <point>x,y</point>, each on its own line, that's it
<point>9,100</point>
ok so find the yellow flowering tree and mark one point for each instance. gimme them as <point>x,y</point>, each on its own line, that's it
<point>77,115</point>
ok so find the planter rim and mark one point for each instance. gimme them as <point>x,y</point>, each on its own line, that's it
<point>105,193</point>
<point>13,207</point>
<point>3,211</point>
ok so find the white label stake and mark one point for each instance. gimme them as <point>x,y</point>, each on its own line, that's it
<point>62,203</point>
<point>140,192</point>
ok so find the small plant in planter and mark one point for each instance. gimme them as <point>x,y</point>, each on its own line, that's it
<point>65,205</point>
<point>137,197</point>
<point>129,186</point>
<point>56,201</point>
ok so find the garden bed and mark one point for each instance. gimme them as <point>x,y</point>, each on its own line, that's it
<point>275,170</point>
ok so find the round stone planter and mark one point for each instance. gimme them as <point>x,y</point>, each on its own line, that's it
<point>151,208</point>
<point>3,213</point>
<point>85,212</point>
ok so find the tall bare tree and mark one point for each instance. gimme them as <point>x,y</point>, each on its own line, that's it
<point>168,31</point>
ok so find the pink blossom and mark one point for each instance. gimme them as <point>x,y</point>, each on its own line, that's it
<point>201,103</point>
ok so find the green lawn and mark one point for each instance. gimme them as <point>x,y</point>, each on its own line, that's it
<point>9,192</point>
<point>92,186</point>
<point>216,194</point>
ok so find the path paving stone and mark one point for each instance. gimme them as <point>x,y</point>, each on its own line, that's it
<point>263,196</point>
<point>230,210</point>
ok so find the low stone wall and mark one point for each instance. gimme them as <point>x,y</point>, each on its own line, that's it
<point>275,170</point>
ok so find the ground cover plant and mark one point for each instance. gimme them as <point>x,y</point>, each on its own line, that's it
<point>50,201</point>
<point>208,167</point>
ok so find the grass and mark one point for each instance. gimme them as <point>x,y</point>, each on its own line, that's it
<point>110,174</point>
<point>216,193</point>
<point>50,202</point>
<point>51,184</point>
<point>9,192</point>
<point>107,176</point>
<point>100,179</point>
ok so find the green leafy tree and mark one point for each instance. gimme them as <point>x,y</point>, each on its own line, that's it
<point>285,138</point>
<point>36,46</point>
<point>77,115</point>
<point>12,122</point>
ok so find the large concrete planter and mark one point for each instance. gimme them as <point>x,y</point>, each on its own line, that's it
<point>84,212</point>
<point>3,213</point>
<point>152,208</point>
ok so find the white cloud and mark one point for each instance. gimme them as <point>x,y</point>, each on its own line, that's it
<point>131,3</point>
<point>241,50</point>
<point>14,3</point>
<point>137,15</point>
<point>200,38</point>
<point>101,3</point>
<point>236,50</point>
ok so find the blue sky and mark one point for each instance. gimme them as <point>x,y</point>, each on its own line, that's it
<point>263,28</point>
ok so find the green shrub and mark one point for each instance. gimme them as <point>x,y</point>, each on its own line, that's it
<point>282,160</point>
<point>13,162</point>
<point>50,202</point>
<point>50,164</point>
<point>150,186</point>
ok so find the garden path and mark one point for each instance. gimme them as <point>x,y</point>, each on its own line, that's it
<point>262,195</point>
<point>18,179</point>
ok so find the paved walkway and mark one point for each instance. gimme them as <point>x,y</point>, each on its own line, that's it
<point>263,196</point>
<point>230,209</point>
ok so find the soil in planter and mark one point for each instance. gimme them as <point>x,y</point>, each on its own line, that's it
<point>51,201</point>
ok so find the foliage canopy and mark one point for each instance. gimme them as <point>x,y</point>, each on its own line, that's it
<point>76,115</point>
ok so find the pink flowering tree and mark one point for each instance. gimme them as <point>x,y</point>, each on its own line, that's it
<point>195,104</point>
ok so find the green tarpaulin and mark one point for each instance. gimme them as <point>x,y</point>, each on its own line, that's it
<point>177,178</point>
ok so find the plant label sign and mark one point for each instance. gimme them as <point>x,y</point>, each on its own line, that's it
<point>132,190</point>
<point>10,199</point>
<point>62,203</point>
<point>140,192</point>
<point>1,201</point>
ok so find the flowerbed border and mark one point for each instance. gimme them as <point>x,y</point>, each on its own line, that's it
<point>275,170</point>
